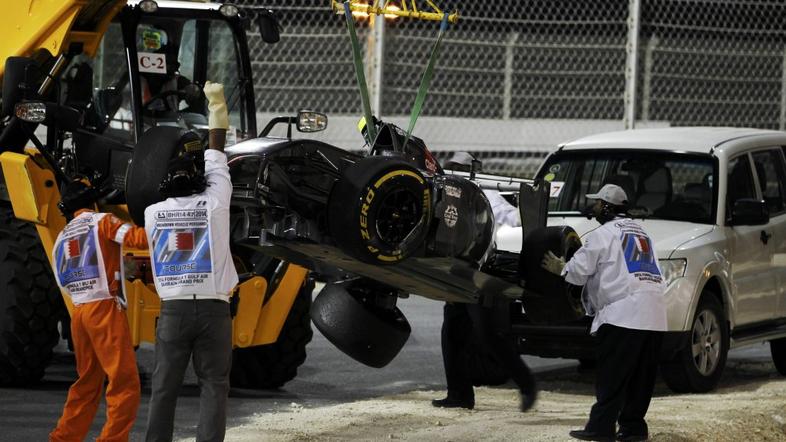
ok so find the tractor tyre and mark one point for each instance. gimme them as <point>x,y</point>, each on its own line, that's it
<point>30,303</point>
<point>369,334</point>
<point>273,365</point>
<point>379,210</point>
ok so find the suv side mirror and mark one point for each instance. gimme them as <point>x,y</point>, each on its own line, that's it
<point>749,212</point>
<point>268,26</point>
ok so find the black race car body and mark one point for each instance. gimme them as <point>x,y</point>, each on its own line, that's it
<point>392,216</point>
<point>383,225</point>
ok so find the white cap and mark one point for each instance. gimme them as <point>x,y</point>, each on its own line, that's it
<point>611,193</point>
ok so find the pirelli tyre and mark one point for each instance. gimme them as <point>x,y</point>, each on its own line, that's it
<point>369,334</point>
<point>549,299</point>
<point>30,303</point>
<point>379,211</point>
<point>698,366</point>
<point>273,365</point>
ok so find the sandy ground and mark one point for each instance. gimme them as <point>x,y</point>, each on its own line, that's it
<point>750,405</point>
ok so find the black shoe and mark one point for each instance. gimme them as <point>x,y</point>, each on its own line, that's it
<point>528,400</point>
<point>591,435</point>
<point>624,436</point>
<point>450,402</point>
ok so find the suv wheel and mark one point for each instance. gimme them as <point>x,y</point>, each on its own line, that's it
<point>697,367</point>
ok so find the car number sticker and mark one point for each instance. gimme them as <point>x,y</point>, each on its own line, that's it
<point>151,62</point>
<point>451,216</point>
<point>455,192</point>
<point>556,188</point>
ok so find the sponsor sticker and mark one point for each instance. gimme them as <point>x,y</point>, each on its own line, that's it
<point>556,188</point>
<point>451,215</point>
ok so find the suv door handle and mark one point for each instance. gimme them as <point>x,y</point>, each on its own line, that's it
<point>765,237</point>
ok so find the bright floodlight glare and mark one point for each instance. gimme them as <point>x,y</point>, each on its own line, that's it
<point>229,10</point>
<point>148,6</point>
<point>392,7</point>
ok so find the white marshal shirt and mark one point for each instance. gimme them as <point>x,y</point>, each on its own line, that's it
<point>189,239</point>
<point>623,284</point>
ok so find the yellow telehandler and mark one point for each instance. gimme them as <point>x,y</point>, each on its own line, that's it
<point>84,83</point>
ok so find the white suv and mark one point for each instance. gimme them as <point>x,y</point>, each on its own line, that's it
<point>714,201</point>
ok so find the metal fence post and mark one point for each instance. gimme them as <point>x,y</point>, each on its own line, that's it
<point>646,87</point>
<point>375,54</point>
<point>782,121</point>
<point>631,68</point>
<point>507,95</point>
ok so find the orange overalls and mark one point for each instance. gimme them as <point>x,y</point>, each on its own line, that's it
<point>99,326</point>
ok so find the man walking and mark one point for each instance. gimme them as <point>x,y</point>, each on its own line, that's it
<point>462,321</point>
<point>624,290</point>
<point>87,267</point>
<point>194,276</point>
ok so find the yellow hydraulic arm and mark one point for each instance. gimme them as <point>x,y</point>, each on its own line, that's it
<point>28,25</point>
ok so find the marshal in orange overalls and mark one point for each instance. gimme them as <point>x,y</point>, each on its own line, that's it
<point>87,266</point>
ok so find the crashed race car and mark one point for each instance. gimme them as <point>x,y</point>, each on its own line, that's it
<point>388,223</point>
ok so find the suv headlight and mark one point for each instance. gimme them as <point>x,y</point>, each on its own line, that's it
<point>672,269</point>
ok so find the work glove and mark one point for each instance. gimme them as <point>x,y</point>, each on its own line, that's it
<point>553,263</point>
<point>218,118</point>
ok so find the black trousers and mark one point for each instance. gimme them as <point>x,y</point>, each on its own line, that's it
<point>627,365</point>
<point>461,321</point>
<point>200,330</point>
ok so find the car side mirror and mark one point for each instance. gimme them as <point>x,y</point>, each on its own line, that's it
<point>308,121</point>
<point>749,212</point>
<point>268,26</point>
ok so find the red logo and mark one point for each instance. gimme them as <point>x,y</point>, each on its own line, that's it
<point>181,241</point>
<point>72,249</point>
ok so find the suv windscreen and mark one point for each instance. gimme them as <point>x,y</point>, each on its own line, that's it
<point>661,185</point>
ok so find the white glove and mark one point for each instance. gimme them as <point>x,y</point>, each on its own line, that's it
<point>216,105</point>
<point>553,263</point>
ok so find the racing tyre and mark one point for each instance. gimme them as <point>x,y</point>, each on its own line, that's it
<point>30,303</point>
<point>379,210</point>
<point>549,299</point>
<point>273,365</point>
<point>697,368</point>
<point>778,350</point>
<point>148,168</point>
<point>369,334</point>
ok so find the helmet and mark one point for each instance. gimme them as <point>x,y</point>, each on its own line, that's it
<point>186,169</point>
<point>77,195</point>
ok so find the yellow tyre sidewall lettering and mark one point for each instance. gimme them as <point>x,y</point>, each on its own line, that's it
<point>365,205</point>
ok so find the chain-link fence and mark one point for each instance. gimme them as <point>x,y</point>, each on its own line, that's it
<point>533,73</point>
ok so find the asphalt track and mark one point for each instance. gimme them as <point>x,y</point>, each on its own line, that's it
<point>327,377</point>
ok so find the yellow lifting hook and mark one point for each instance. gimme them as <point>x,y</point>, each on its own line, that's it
<point>408,8</point>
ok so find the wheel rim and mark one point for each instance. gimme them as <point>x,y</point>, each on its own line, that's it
<point>706,342</point>
<point>398,215</point>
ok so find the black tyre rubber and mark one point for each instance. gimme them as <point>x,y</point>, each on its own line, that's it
<point>370,335</point>
<point>148,168</point>
<point>682,374</point>
<point>30,303</point>
<point>549,299</point>
<point>778,351</point>
<point>273,365</point>
<point>379,211</point>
